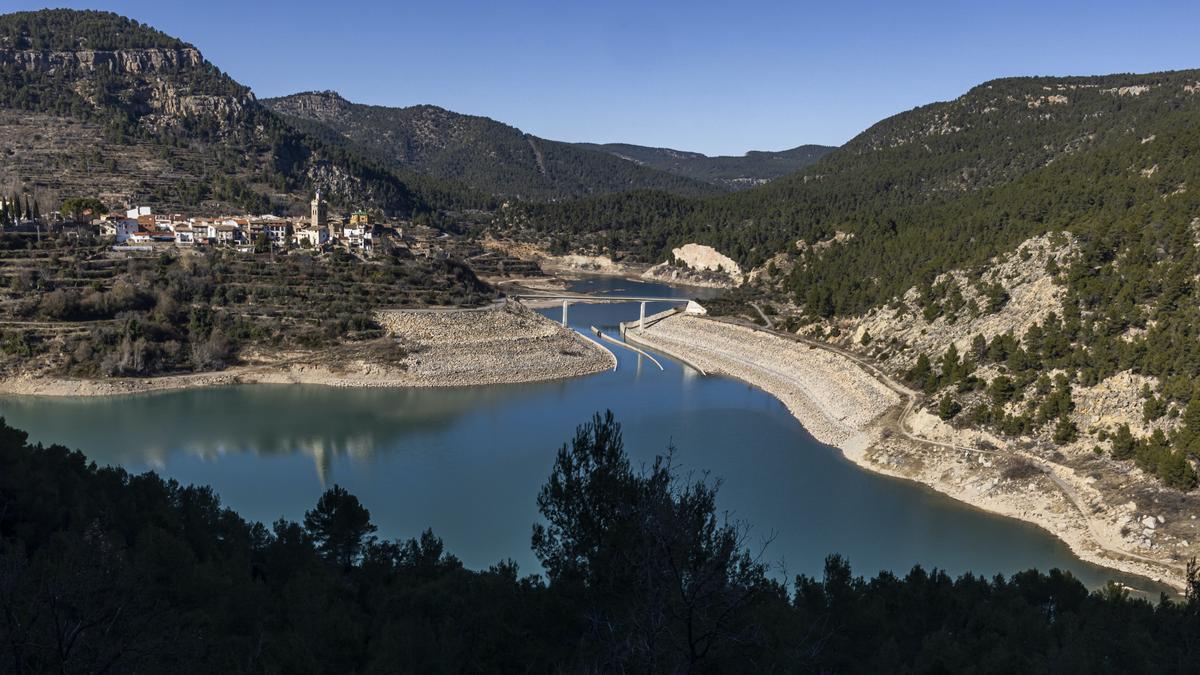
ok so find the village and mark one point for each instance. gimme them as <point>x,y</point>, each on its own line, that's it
<point>141,229</point>
<point>359,233</point>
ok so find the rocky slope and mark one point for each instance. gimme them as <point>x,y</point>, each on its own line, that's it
<point>1109,517</point>
<point>697,265</point>
<point>1124,496</point>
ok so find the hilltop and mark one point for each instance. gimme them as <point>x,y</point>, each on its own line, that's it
<point>478,151</point>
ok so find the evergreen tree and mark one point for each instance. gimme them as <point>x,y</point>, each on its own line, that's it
<point>340,526</point>
<point>1123,443</point>
<point>948,407</point>
<point>921,372</point>
<point>1065,431</point>
<point>978,347</point>
<point>950,364</point>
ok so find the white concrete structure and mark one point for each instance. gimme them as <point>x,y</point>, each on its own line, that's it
<point>310,236</point>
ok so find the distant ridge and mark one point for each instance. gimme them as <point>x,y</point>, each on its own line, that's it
<point>733,173</point>
<point>477,151</point>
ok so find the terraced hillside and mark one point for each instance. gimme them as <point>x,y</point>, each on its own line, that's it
<point>76,308</point>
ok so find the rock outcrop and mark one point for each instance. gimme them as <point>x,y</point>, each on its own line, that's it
<point>701,257</point>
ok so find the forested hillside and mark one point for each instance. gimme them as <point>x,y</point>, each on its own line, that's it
<point>734,173</point>
<point>875,228</point>
<point>476,151</point>
<point>103,571</point>
<point>95,104</point>
<point>916,166</point>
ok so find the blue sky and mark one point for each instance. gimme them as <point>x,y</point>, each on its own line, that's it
<point>719,78</point>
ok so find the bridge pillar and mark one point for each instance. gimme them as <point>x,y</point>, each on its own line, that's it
<point>642,318</point>
<point>566,303</point>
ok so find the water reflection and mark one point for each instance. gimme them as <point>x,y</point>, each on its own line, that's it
<point>321,423</point>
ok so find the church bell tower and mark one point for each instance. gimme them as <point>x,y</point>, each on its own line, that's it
<point>319,211</point>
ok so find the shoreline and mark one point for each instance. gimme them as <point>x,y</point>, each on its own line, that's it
<point>820,385</point>
<point>494,345</point>
<point>843,401</point>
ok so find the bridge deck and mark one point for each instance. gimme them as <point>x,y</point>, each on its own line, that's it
<point>594,298</point>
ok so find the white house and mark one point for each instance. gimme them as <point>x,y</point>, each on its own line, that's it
<point>225,233</point>
<point>184,235</point>
<point>311,236</point>
<point>122,229</point>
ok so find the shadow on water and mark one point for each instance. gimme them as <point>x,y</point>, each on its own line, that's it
<point>468,462</point>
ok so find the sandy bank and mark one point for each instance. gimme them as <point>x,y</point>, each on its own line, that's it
<point>852,405</point>
<point>503,344</point>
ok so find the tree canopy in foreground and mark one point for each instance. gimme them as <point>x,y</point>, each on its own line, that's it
<point>103,571</point>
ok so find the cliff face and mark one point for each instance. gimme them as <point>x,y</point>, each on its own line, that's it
<point>162,88</point>
<point>121,61</point>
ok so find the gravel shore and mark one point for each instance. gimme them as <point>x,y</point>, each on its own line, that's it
<point>502,344</point>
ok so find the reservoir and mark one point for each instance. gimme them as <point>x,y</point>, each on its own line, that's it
<point>468,462</point>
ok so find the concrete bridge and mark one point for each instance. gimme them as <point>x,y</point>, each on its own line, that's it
<point>569,299</point>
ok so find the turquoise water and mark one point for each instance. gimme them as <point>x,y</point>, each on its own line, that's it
<point>469,462</point>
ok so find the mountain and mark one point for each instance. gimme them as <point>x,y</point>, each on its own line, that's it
<point>732,173</point>
<point>92,103</point>
<point>487,155</point>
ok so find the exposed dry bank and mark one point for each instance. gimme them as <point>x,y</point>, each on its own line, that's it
<point>834,400</point>
<point>426,348</point>
<point>849,404</point>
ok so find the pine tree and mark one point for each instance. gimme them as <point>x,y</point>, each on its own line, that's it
<point>1123,443</point>
<point>950,363</point>
<point>1065,431</point>
<point>979,347</point>
<point>920,373</point>
<point>948,407</point>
